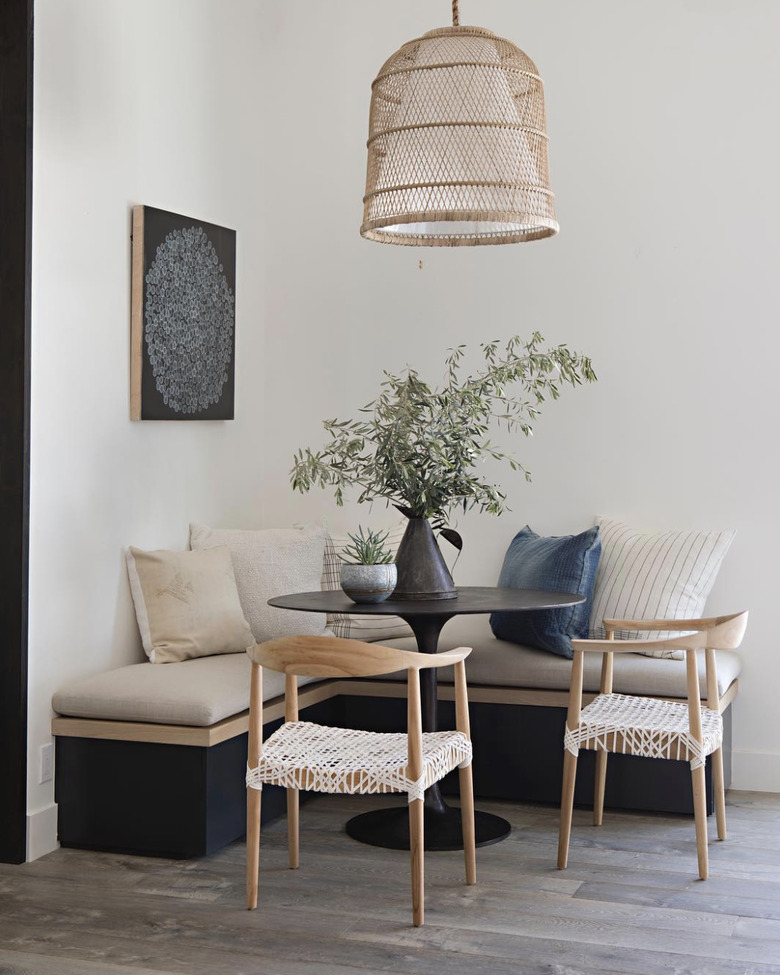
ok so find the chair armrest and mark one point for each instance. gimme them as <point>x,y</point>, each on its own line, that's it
<point>684,625</point>
<point>693,641</point>
<point>446,659</point>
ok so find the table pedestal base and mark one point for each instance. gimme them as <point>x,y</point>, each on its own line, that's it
<point>390,828</point>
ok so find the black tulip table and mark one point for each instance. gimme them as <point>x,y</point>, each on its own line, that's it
<point>390,827</point>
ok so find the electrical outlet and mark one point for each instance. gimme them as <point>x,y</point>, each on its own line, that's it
<point>47,763</point>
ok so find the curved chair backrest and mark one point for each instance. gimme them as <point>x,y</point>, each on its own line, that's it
<point>727,632</point>
<point>327,656</point>
<point>711,633</point>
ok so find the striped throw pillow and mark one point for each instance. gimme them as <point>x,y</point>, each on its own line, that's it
<point>349,626</point>
<point>654,575</point>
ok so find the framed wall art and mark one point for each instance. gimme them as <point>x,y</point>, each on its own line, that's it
<point>183,333</point>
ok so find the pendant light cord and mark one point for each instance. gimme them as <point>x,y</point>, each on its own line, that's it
<point>455,17</point>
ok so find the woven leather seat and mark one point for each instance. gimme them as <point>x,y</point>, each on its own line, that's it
<point>644,726</point>
<point>302,755</point>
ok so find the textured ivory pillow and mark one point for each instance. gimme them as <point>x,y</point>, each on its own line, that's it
<point>349,626</point>
<point>187,604</point>
<point>654,575</point>
<point>272,562</point>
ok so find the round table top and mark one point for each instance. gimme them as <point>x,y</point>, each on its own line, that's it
<point>470,599</point>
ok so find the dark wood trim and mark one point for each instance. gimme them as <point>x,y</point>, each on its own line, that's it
<point>16,60</point>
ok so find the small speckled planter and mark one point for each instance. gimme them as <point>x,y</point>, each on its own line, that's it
<point>368,583</point>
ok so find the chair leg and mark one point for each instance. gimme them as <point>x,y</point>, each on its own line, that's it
<point>416,847</point>
<point>467,822</point>
<point>720,793</point>
<point>567,806</point>
<point>700,815</point>
<point>253,800</point>
<point>292,827</point>
<point>599,786</point>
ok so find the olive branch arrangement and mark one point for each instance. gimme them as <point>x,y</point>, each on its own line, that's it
<point>417,446</point>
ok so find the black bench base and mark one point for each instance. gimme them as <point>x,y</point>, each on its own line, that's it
<point>185,801</point>
<point>518,754</point>
<point>150,799</point>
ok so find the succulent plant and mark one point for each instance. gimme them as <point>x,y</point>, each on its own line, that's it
<point>367,549</point>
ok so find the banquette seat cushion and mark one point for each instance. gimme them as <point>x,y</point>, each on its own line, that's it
<point>197,692</point>
<point>206,690</point>
<point>499,663</point>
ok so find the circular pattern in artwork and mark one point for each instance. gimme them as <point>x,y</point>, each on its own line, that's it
<point>188,321</point>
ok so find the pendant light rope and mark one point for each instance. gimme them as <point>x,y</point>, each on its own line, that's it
<point>457,144</point>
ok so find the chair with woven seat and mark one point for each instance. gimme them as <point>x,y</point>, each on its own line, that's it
<point>303,755</point>
<point>649,727</point>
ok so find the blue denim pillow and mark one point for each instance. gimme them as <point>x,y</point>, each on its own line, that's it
<point>560,564</point>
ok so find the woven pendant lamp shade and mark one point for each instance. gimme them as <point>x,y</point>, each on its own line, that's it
<point>457,145</point>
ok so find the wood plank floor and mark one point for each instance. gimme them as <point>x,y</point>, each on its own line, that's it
<point>629,903</point>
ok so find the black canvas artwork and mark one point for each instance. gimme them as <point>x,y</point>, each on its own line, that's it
<point>183,318</point>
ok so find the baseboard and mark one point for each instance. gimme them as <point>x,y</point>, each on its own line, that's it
<point>42,832</point>
<point>756,771</point>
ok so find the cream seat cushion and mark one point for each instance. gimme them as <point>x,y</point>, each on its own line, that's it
<point>203,691</point>
<point>196,692</point>
<point>505,664</point>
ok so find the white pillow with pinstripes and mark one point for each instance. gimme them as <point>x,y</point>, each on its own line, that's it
<point>347,625</point>
<point>654,575</point>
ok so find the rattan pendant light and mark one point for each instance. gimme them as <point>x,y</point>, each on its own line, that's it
<point>457,144</point>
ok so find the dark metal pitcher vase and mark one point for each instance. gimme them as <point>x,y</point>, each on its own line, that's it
<point>422,571</point>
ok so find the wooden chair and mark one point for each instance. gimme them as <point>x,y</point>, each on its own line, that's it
<point>651,727</point>
<point>302,755</point>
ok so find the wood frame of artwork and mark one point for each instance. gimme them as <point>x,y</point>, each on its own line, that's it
<point>182,355</point>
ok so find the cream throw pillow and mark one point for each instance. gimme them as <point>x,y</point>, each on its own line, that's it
<point>272,562</point>
<point>654,575</point>
<point>187,604</point>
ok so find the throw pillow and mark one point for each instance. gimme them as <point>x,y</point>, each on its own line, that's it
<point>654,575</point>
<point>350,626</point>
<point>272,562</point>
<point>187,604</point>
<point>566,563</point>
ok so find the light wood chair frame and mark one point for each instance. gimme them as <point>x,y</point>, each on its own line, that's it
<point>710,634</point>
<point>311,656</point>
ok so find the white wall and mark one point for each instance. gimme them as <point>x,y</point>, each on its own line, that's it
<point>145,102</point>
<point>663,151</point>
<point>253,114</point>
